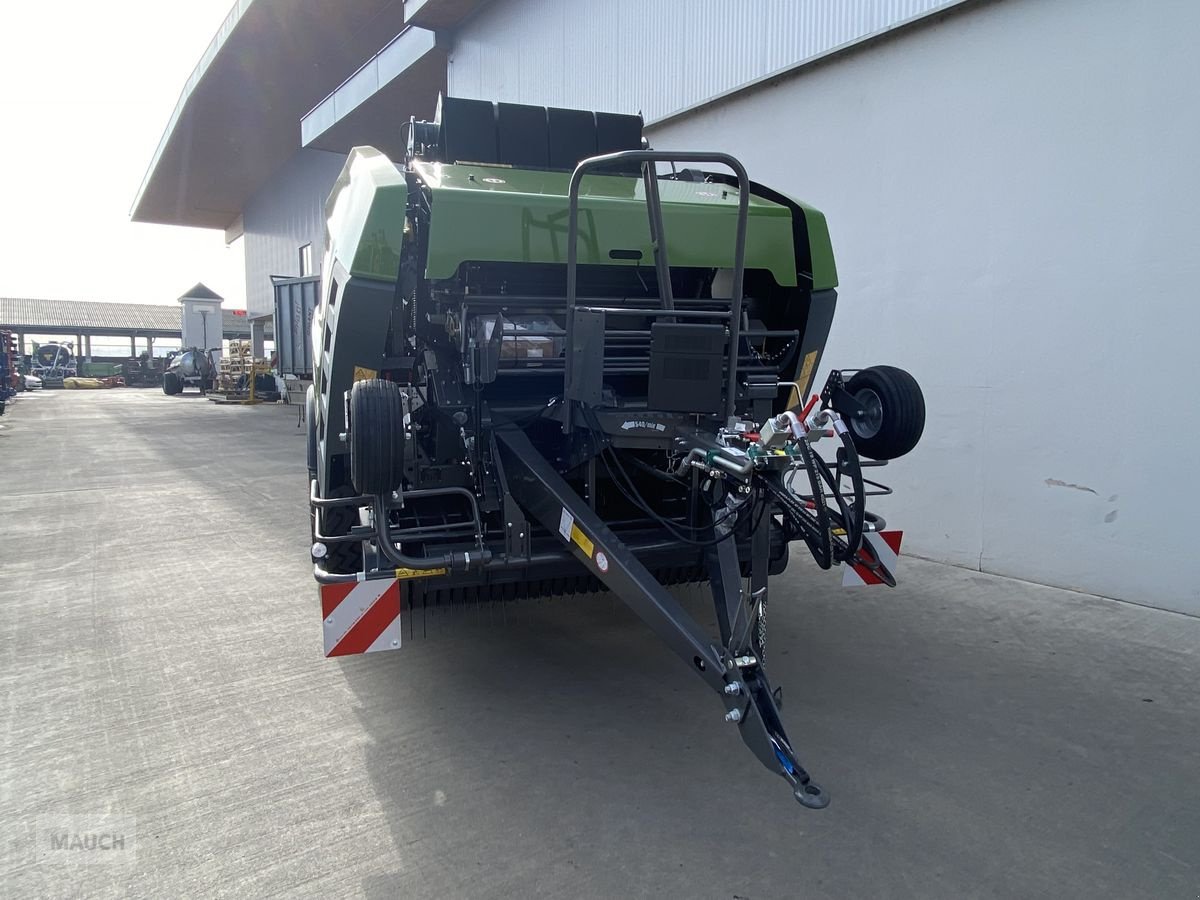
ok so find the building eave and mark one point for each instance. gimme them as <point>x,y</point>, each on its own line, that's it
<point>440,14</point>
<point>401,80</point>
<point>236,121</point>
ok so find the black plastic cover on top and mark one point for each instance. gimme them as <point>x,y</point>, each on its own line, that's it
<point>526,137</point>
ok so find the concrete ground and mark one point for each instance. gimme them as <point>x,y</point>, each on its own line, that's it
<point>161,661</point>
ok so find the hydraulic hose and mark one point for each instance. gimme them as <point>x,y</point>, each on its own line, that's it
<point>814,525</point>
<point>856,523</point>
<point>458,561</point>
<point>816,534</point>
<point>854,516</point>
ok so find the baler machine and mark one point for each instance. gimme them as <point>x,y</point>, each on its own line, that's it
<point>549,360</point>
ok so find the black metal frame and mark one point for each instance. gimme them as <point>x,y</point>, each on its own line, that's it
<point>647,159</point>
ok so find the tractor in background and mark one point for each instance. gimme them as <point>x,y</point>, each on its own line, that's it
<point>190,367</point>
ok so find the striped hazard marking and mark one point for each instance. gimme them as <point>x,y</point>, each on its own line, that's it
<point>885,546</point>
<point>361,616</point>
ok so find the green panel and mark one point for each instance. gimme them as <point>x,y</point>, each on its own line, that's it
<point>365,215</point>
<point>98,369</point>
<point>824,268</point>
<point>491,213</point>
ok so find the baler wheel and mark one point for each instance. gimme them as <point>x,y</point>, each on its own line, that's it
<point>894,412</point>
<point>376,436</point>
<point>344,557</point>
<point>310,420</point>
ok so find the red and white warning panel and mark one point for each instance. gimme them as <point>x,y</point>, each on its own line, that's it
<point>885,547</point>
<point>361,616</point>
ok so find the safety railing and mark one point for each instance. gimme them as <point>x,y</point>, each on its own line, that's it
<point>648,159</point>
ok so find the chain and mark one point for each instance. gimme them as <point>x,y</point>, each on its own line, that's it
<point>772,357</point>
<point>762,632</point>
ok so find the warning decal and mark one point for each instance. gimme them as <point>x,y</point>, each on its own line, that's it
<point>806,373</point>
<point>584,542</point>
<point>572,532</point>
<point>885,548</point>
<point>419,573</point>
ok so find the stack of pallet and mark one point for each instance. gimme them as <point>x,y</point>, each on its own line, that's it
<point>238,367</point>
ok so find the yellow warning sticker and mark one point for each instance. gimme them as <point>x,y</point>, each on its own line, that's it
<point>806,374</point>
<point>584,542</point>
<point>362,373</point>
<point>418,573</point>
<point>572,532</point>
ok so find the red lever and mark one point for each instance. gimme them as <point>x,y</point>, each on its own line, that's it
<point>808,407</point>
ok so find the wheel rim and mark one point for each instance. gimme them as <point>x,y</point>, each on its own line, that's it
<point>871,421</point>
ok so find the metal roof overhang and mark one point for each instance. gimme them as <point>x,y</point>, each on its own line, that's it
<point>401,80</point>
<point>236,120</point>
<point>438,14</point>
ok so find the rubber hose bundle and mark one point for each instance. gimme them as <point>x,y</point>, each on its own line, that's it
<point>814,526</point>
<point>811,526</point>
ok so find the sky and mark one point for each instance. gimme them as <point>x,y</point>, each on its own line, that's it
<point>86,89</point>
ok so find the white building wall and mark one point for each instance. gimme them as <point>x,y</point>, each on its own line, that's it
<point>1011,191</point>
<point>656,56</point>
<point>286,213</point>
<point>1012,195</point>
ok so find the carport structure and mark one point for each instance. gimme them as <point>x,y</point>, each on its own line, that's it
<point>82,320</point>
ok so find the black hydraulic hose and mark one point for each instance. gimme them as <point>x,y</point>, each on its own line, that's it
<point>855,524</point>
<point>853,515</point>
<point>459,560</point>
<point>629,491</point>
<point>674,528</point>
<point>823,552</point>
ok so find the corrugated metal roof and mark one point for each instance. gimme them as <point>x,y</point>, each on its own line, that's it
<point>91,317</point>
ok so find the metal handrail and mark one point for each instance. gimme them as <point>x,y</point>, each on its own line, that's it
<point>650,313</point>
<point>654,210</point>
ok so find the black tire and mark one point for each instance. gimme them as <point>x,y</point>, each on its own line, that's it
<point>376,429</point>
<point>895,409</point>
<point>341,557</point>
<point>171,384</point>
<point>310,419</point>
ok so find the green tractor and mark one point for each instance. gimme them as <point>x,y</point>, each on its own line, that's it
<point>550,360</point>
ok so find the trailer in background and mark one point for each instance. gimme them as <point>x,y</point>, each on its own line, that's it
<point>295,302</point>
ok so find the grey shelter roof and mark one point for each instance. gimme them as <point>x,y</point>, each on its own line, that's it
<point>201,292</point>
<point>91,317</point>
